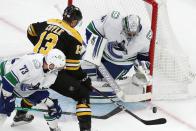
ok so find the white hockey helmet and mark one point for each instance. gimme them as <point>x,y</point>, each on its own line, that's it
<point>131,25</point>
<point>55,59</point>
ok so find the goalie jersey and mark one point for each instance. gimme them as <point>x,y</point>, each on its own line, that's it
<point>25,75</point>
<point>120,50</point>
<point>55,33</point>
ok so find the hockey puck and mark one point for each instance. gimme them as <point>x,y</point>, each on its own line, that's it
<point>154,109</point>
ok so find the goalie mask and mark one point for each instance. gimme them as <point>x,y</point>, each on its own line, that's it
<point>55,60</point>
<point>131,26</point>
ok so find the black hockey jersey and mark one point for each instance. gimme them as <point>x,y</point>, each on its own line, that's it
<point>56,33</point>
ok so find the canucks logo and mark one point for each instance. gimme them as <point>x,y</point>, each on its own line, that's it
<point>115,14</point>
<point>37,64</point>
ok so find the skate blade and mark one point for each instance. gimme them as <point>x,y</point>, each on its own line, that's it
<point>14,124</point>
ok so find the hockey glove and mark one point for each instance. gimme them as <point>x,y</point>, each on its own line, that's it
<point>142,66</point>
<point>26,87</point>
<point>7,104</point>
<point>142,75</point>
<point>55,110</point>
<point>87,83</point>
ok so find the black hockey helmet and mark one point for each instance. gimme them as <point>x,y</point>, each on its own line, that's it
<point>72,13</point>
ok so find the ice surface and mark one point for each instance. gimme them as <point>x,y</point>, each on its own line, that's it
<point>15,16</point>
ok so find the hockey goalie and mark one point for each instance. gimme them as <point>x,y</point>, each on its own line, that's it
<point>120,45</point>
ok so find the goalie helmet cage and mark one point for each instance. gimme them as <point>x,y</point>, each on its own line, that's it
<point>169,64</point>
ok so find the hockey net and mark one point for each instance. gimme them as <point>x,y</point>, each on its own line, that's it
<point>169,65</point>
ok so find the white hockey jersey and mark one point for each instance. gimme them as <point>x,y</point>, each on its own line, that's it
<point>120,50</point>
<point>26,74</point>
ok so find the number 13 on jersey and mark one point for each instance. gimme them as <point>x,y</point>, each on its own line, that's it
<point>48,41</point>
<point>51,39</point>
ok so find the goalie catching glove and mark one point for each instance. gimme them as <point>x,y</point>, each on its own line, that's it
<point>142,76</point>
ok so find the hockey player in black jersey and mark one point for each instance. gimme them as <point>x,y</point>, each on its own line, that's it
<point>72,81</point>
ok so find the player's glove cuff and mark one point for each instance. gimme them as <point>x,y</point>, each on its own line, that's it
<point>86,81</point>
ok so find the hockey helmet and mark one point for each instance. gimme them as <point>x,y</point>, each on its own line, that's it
<point>55,59</point>
<point>131,25</point>
<point>72,13</point>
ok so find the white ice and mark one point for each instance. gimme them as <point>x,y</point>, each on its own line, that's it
<point>16,15</point>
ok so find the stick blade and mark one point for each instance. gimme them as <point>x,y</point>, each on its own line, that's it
<point>110,114</point>
<point>155,122</point>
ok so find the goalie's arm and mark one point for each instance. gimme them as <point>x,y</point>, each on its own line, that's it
<point>96,27</point>
<point>144,56</point>
<point>95,40</point>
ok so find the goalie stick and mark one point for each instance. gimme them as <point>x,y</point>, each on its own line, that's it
<point>106,116</point>
<point>146,122</point>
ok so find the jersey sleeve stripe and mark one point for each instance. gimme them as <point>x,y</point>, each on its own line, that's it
<point>9,81</point>
<point>11,78</point>
<point>2,65</point>
<point>82,106</point>
<point>72,64</point>
<point>72,68</point>
<point>83,110</point>
<point>31,30</point>
<point>72,61</point>
<point>27,102</point>
<point>93,29</point>
<point>84,113</point>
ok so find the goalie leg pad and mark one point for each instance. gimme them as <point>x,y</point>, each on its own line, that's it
<point>3,118</point>
<point>129,88</point>
<point>141,79</point>
<point>133,92</point>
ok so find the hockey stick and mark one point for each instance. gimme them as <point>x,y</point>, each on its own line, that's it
<point>106,116</point>
<point>146,122</point>
<point>110,80</point>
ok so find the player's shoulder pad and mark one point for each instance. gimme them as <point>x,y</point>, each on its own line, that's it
<point>71,31</point>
